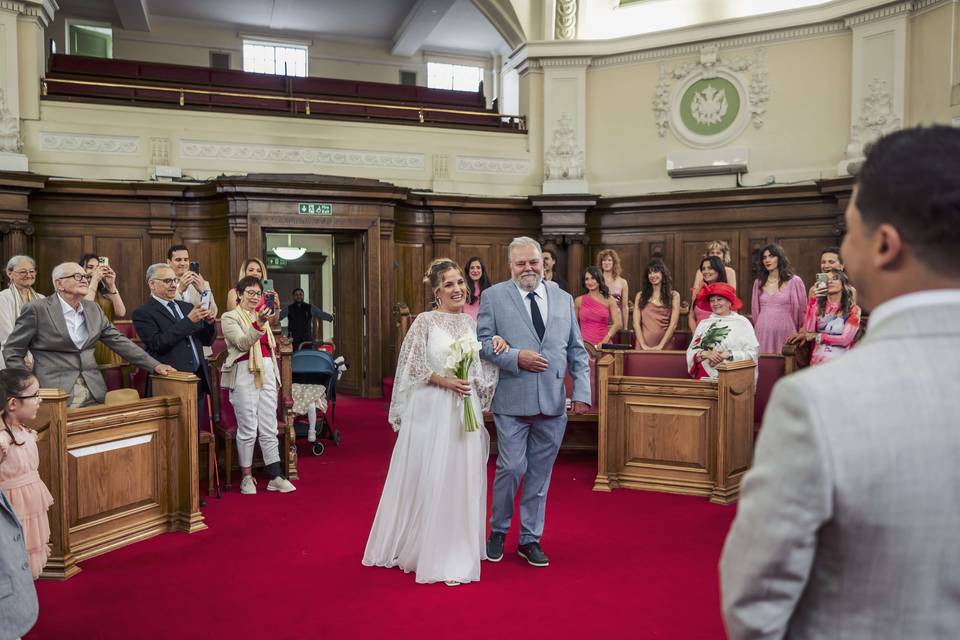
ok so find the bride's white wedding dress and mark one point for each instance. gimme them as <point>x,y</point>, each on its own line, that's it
<point>432,513</point>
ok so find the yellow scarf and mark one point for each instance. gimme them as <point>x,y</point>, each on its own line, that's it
<point>255,363</point>
<point>19,301</point>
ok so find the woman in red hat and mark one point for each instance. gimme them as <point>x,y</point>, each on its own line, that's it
<point>725,336</point>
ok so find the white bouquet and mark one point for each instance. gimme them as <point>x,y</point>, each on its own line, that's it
<point>463,353</point>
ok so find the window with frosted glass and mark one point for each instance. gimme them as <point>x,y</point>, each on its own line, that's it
<point>278,59</point>
<point>453,76</point>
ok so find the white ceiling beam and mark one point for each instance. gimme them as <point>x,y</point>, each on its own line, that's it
<point>134,14</point>
<point>418,25</point>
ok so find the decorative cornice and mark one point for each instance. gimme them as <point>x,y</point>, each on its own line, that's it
<point>211,150</point>
<point>500,166</point>
<point>880,13</point>
<point>44,10</point>
<point>738,42</point>
<point>578,61</point>
<point>89,143</point>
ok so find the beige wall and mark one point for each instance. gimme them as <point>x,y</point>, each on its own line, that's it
<point>189,42</point>
<point>805,131</point>
<point>933,46</point>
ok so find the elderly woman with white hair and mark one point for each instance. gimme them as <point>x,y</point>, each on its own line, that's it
<point>22,274</point>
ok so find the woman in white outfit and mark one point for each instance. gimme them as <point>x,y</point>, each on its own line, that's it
<point>253,377</point>
<point>432,513</point>
<point>22,273</point>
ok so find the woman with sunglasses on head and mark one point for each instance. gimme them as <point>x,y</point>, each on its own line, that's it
<point>22,274</point>
<point>251,267</point>
<point>104,292</point>
<point>252,375</point>
<point>19,463</point>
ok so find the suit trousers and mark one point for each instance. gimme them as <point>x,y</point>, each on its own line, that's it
<point>256,411</point>
<point>527,447</point>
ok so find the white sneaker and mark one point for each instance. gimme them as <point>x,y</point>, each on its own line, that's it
<point>248,485</point>
<point>312,434</point>
<point>281,484</point>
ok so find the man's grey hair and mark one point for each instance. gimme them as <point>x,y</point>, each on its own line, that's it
<point>522,241</point>
<point>15,260</point>
<point>63,270</point>
<point>154,268</point>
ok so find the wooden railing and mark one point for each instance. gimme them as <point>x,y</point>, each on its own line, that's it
<point>424,112</point>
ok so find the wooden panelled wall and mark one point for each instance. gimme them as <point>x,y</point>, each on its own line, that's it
<point>400,232</point>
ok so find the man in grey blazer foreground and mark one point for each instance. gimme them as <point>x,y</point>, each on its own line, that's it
<point>61,332</point>
<point>18,596</point>
<point>529,405</point>
<point>849,520</point>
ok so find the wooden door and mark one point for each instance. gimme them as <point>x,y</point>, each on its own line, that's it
<point>349,307</point>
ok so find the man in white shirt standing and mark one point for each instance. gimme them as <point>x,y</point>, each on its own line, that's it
<point>61,331</point>
<point>848,521</point>
<point>193,288</point>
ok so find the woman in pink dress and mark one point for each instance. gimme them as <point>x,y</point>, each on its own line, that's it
<point>609,262</point>
<point>597,310</point>
<point>19,463</point>
<point>656,309</point>
<point>711,271</point>
<point>477,281</point>
<point>779,300</point>
<point>832,320</point>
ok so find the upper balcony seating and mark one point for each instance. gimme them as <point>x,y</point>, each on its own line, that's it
<point>240,90</point>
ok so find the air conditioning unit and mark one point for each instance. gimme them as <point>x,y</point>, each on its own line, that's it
<point>714,162</point>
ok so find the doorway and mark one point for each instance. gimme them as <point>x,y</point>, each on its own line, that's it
<point>331,274</point>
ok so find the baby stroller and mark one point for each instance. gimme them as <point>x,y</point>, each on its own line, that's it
<point>318,368</point>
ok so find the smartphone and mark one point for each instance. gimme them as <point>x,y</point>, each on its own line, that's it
<point>270,301</point>
<point>205,300</point>
<point>104,260</point>
<point>823,278</point>
<point>267,284</point>
<point>194,266</point>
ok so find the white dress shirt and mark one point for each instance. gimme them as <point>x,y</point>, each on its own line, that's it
<point>76,323</point>
<point>541,292</point>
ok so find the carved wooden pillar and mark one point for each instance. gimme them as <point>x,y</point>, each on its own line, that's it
<point>564,220</point>
<point>442,233</point>
<point>15,225</point>
<point>16,238</point>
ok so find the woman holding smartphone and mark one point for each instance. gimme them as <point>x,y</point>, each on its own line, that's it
<point>252,375</point>
<point>104,291</point>
<point>832,320</point>
<point>251,267</point>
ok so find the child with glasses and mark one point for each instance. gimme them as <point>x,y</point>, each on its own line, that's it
<point>19,463</point>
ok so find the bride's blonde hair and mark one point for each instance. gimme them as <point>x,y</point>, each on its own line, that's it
<point>434,275</point>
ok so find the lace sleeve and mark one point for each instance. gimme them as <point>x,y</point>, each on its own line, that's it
<point>412,368</point>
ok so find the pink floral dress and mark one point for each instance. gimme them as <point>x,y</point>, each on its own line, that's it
<point>30,498</point>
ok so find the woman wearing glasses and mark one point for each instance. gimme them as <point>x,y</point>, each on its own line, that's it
<point>252,375</point>
<point>22,273</point>
<point>104,292</point>
<point>20,461</point>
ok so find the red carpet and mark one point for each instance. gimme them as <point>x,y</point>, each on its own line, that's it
<point>631,564</point>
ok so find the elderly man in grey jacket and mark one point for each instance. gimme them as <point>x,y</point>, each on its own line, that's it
<point>61,332</point>
<point>529,405</point>
<point>848,521</point>
<point>18,597</point>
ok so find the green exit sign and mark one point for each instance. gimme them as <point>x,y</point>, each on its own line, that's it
<point>315,209</point>
<point>274,261</point>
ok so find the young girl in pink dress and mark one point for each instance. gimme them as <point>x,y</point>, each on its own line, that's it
<point>19,463</point>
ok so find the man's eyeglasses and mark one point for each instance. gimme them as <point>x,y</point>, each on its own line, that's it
<point>167,281</point>
<point>26,272</point>
<point>79,277</point>
<point>253,293</point>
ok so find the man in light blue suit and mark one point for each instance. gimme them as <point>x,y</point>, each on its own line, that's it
<point>529,406</point>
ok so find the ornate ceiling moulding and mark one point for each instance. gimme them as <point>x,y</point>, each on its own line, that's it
<point>566,22</point>
<point>210,150</point>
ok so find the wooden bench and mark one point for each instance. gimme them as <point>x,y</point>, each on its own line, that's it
<point>672,433</point>
<point>119,473</point>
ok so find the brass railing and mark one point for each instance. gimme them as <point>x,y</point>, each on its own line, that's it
<point>520,121</point>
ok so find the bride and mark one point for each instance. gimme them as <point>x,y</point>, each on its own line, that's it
<point>432,513</point>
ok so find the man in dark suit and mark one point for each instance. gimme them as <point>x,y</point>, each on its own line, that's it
<point>175,332</point>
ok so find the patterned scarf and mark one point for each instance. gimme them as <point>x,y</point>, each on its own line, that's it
<point>19,301</point>
<point>255,363</point>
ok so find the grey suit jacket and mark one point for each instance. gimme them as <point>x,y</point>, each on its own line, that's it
<point>849,521</point>
<point>18,597</point>
<point>525,393</point>
<point>57,362</point>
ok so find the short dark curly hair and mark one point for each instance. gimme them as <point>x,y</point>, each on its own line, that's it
<point>910,181</point>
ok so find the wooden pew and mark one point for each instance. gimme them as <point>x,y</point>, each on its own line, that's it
<point>676,435</point>
<point>120,473</point>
